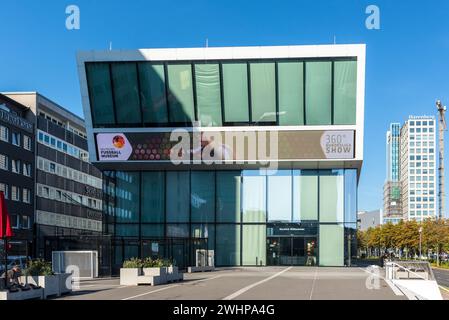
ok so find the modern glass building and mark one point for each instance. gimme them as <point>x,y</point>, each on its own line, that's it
<point>253,153</point>
<point>392,185</point>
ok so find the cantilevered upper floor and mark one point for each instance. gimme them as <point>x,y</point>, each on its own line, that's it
<point>312,97</point>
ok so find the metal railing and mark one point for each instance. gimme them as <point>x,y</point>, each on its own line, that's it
<point>409,270</point>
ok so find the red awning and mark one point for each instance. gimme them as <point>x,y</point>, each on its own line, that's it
<point>5,222</point>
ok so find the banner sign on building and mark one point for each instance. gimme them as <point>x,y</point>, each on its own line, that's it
<point>182,146</point>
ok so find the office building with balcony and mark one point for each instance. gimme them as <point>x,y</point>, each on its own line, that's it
<point>253,153</point>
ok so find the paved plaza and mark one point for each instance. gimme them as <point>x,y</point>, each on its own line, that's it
<point>269,283</point>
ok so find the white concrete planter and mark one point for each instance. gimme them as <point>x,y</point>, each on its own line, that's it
<point>174,274</point>
<point>22,295</point>
<point>65,283</point>
<point>149,276</point>
<point>200,269</point>
<point>128,276</point>
<point>50,284</point>
<point>155,271</point>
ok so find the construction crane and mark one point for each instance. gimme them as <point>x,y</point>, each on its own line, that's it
<point>442,127</point>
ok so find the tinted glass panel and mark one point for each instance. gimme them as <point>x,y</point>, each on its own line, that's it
<point>206,231</point>
<point>235,88</point>
<point>253,246</point>
<point>178,230</point>
<point>203,196</point>
<point>126,93</point>
<point>153,230</point>
<point>305,190</point>
<point>345,91</point>
<point>207,79</point>
<point>331,196</point>
<point>127,196</point>
<point>227,249</point>
<point>181,93</point>
<point>254,197</point>
<point>331,244</point>
<point>153,197</point>
<point>99,81</point>
<point>178,196</point>
<point>318,93</point>
<point>152,93</point>
<point>127,230</point>
<point>228,196</point>
<point>351,195</point>
<point>280,196</point>
<point>263,92</point>
<point>291,93</point>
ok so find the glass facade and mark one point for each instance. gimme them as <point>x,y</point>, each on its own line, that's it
<point>222,93</point>
<point>249,217</point>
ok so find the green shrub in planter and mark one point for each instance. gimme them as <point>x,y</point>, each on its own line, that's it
<point>38,267</point>
<point>133,263</point>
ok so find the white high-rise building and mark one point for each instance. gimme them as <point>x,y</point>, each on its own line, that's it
<point>418,168</point>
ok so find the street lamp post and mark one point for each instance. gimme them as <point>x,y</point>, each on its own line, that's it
<point>420,241</point>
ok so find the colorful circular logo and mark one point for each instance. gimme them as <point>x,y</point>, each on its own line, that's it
<point>119,142</point>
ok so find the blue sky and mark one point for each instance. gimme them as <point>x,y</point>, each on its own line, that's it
<point>407,60</point>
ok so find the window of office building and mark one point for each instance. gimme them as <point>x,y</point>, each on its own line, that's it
<point>291,93</point>
<point>180,98</point>
<point>263,92</point>
<point>208,93</point>
<point>27,142</point>
<point>4,134</point>
<point>153,196</point>
<point>27,169</point>
<point>15,139</point>
<point>345,92</point>
<point>15,193</point>
<point>126,93</point>
<point>152,93</point>
<point>318,93</point>
<point>15,223</point>
<point>235,91</point>
<point>101,100</point>
<point>26,195</point>
<point>4,162</point>
<point>15,166</point>
<point>203,196</point>
<point>228,196</point>
<point>178,196</point>
<point>26,222</point>
<point>4,189</point>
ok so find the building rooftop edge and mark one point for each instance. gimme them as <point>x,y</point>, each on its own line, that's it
<point>231,52</point>
<point>55,104</point>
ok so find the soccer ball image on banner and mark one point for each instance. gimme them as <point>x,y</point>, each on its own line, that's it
<point>119,142</point>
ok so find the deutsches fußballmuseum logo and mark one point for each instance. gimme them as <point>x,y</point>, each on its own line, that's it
<point>113,147</point>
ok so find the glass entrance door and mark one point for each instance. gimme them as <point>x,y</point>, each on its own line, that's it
<point>291,251</point>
